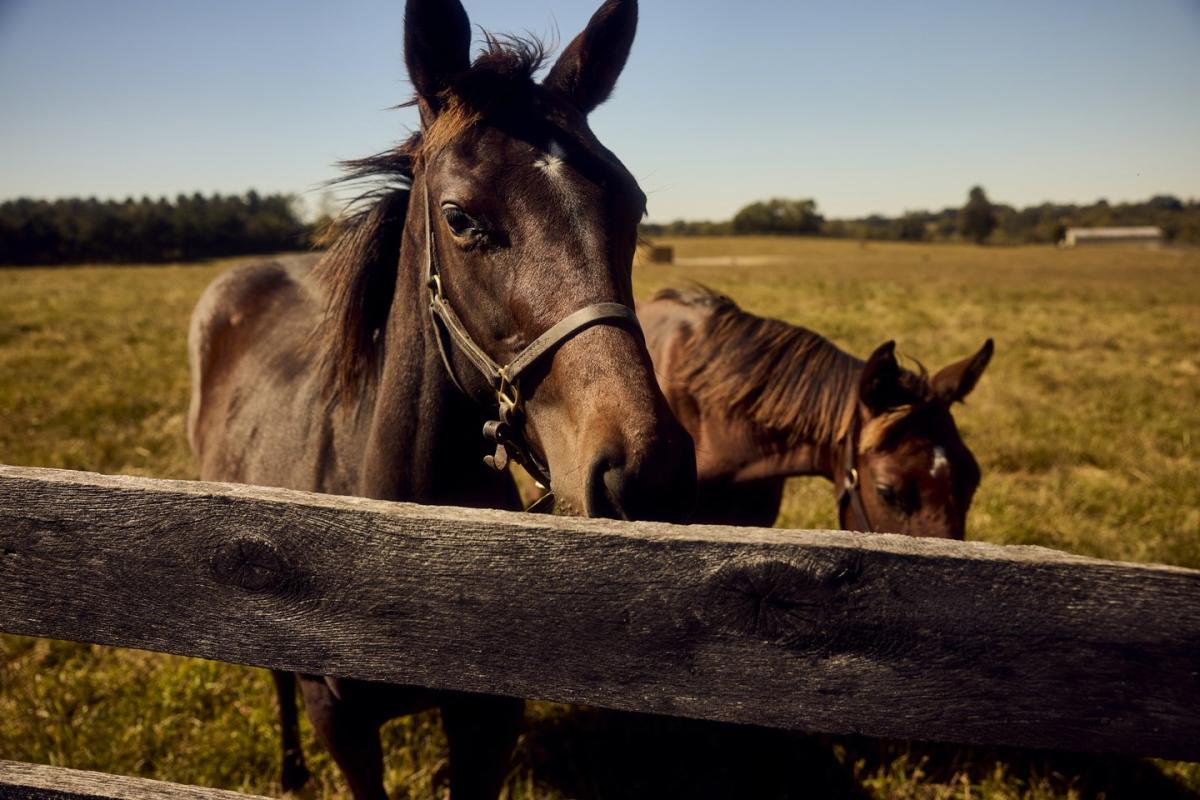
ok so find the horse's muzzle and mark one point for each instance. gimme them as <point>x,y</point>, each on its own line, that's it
<point>655,482</point>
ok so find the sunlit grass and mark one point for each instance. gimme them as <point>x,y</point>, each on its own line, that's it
<point>1085,426</point>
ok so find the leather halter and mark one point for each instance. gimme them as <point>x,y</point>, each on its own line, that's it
<point>850,490</point>
<point>508,431</point>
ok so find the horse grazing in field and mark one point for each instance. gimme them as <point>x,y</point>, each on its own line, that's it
<point>486,279</point>
<point>765,400</point>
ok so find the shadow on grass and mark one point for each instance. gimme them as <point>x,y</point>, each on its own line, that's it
<point>592,754</point>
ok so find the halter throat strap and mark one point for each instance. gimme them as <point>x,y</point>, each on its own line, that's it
<point>508,431</point>
<point>850,489</point>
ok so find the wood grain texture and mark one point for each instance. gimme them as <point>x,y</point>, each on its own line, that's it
<point>818,631</point>
<point>39,782</point>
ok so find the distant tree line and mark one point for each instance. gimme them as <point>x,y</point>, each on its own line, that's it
<point>978,220</point>
<point>198,226</point>
<point>190,227</point>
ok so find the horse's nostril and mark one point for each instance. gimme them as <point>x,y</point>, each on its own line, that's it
<point>659,488</point>
<point>605,488</point>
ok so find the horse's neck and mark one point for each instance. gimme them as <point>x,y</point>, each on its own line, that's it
<point>747,452</point>
<point>424,442</point>
<point>754,454</point>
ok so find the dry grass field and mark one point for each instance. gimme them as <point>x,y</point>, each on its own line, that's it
<point>1086,427</point>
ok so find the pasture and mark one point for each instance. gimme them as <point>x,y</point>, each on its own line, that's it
<point>1084,426</point>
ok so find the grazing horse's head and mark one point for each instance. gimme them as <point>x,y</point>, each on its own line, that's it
<point>914,473</point>
<point>533,219</point>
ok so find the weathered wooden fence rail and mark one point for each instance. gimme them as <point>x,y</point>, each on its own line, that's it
<point>831,632</point>
<point>38,782</point>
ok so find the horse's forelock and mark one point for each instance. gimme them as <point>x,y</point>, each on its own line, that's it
<point>879,428</point>
<point>501,76</point>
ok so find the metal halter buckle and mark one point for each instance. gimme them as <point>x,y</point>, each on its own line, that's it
<point>508,397</point>
<point>497,431</point>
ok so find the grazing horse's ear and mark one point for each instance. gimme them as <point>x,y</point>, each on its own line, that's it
<point>879,387</point>
<point>587,70</point>
<point>437,47</point>
<point>956,381</point>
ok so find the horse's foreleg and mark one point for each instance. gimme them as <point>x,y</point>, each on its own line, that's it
<point>482,731</point>
<point>350,731</point>
<point>293,774</point>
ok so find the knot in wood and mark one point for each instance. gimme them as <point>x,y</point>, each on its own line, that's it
<point>791,602</point>
<point>250,563</point>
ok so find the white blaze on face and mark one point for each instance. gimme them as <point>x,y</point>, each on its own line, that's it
<point>940,462</point>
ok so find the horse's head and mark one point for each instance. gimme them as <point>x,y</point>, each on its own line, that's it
<point>532,220</point>
<point>914,473</point>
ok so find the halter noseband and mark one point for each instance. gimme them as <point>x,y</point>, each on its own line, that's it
<point>508,432</point>
<point>850,491</point>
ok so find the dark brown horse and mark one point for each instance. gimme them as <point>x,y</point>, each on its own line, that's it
<point>765,400</point>
<point>502,233</point>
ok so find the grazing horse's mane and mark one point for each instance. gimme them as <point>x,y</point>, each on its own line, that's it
<point>358,271</point>
<point>784,378</point>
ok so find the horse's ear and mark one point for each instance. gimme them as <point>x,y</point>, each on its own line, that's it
<point>956,381</point>
<point>879,387</point>
<point>587,70</point>
<point>437,47</point>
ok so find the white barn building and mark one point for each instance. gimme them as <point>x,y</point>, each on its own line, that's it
<point>1147,234</point>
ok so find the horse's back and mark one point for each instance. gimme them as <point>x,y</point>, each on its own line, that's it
<point>256,388</point>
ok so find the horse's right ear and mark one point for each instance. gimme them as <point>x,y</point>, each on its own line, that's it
<point>437,47</point>
<point>879,387</point>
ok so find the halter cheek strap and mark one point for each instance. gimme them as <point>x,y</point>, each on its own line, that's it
<point>508,431</point>
<point>850,489</point>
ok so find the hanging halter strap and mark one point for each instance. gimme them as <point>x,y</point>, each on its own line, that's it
<point>850,490</point>
<point>508,430</point>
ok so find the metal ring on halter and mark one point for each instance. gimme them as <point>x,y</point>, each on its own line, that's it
<point>508,395</point>
<point>852,478</point>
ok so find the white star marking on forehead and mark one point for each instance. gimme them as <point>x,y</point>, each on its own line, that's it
<point>940,462</point>
<point>552,160</point>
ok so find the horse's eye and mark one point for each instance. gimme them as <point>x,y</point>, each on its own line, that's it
<point>460,222</point>
<point>906,501</point>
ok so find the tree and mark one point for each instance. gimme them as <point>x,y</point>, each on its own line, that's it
<point>779,215</point>
<point>911,227</point>
<point>977,219</point>
<point>1165,202</point>
<point>194,226</point>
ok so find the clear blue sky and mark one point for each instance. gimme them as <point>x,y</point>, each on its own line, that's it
<point>864,106</point>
